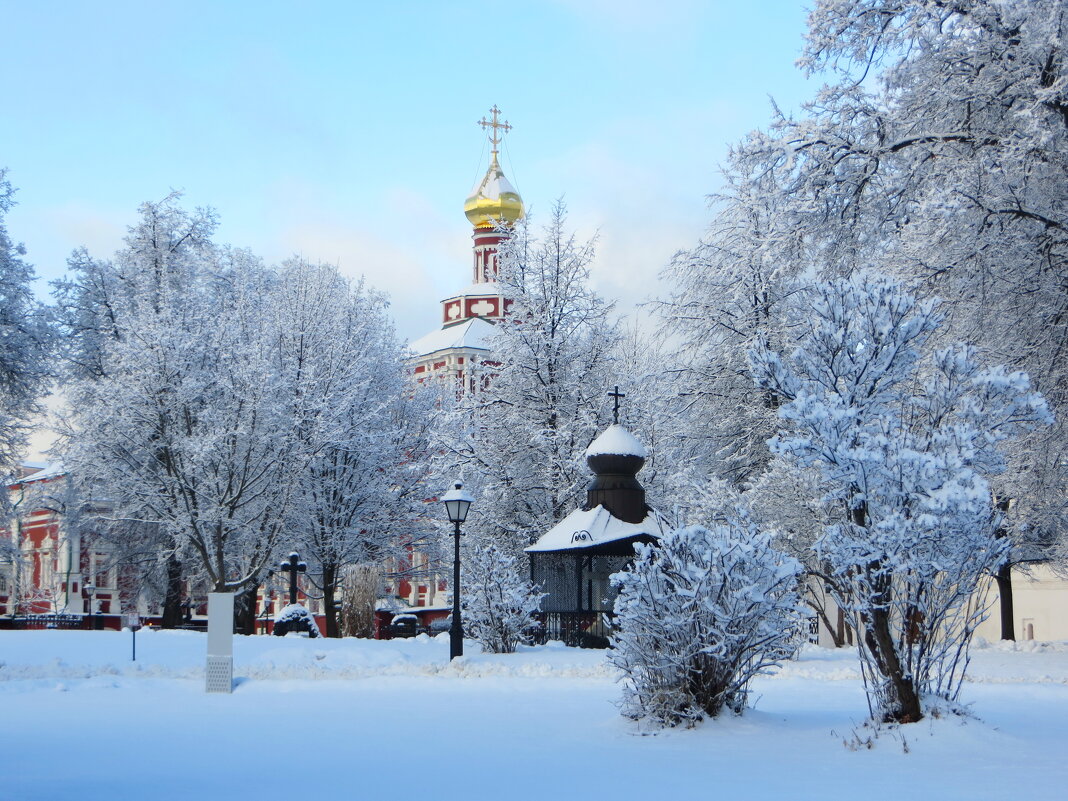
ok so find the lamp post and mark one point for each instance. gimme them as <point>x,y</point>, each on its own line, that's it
<point>90,590</point>
<point>457,502</point>
<point>266,611</point>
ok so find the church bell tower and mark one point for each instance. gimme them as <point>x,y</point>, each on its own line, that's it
<point>467,317</point>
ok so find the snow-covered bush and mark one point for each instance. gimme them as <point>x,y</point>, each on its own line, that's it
<point>295,617</point>
<point>498,603</point>
<point>699,615</point>
<point>903,439</point>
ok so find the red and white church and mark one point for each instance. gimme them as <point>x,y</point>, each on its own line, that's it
<point>459,349</point>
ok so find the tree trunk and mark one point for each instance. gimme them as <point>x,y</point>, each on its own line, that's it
<point>245,610</point>
<point>879,639</point>
<point>836,636</point>
<point>172,600</point>
<point>845,631</point>
<point>330,572</point>
<point>1008,616</point>
<point>880,642</point>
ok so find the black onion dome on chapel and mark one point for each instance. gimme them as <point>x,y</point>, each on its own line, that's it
<point>615,515</point>
<point>615,457</point>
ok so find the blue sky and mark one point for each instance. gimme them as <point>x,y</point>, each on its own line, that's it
<point>346,131</point>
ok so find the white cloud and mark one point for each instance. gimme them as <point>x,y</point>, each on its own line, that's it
<point>643,212</point>
<point>406,250</point>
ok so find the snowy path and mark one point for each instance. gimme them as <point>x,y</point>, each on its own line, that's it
<point>536,725</point>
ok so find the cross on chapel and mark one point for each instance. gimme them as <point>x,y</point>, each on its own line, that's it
<point>616,395</point>
<point>495,138</point>
<point>293,566</point>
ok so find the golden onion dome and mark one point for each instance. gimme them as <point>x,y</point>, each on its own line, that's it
<point>494,200</point>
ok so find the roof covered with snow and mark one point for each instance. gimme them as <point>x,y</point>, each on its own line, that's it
<point>491,288</point>
<point>618,441</point>
<point>597,526</point>
<point>474,334</point>
<point>43,473</point>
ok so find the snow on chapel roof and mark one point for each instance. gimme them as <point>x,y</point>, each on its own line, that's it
<point>616,440</point>
<point>484,288</point>
<point>588,528</point>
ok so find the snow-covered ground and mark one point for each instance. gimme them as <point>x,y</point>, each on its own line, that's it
<point>353,719</point>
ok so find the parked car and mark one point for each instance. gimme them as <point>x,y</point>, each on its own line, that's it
<point>441,625</point>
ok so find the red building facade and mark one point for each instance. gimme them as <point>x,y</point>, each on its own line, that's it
<point>48,567</point>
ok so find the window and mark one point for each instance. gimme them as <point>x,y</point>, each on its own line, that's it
<point>100,571</point>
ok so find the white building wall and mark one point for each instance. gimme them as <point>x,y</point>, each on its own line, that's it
<point>1040,606</point>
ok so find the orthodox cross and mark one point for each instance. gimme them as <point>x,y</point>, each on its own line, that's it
<point>616,395</point>
<point>293,566</point>
<point>495,139</point>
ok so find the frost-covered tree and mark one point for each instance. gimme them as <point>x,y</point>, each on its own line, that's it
<point>698,616</point>
<point>498,602</point>
<point>786,500</point>
<point>904,440</point>
<point>730,292</point>
<point>654,413</point>
<point>521,438</point>
<point>364,424</point>
<point>240,411</point>
<point>166,254</point>
<point>938,149</point>
<point>182,399</point>
<point>25,344</point>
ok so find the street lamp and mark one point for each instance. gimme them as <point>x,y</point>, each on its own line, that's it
<point>267,602</point>
<point>90,590</point>
<point>457,502</point>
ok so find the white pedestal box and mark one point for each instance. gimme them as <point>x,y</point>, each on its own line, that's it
<point>220,667</point>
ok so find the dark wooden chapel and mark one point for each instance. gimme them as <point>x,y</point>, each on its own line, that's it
<point>572,561</point>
